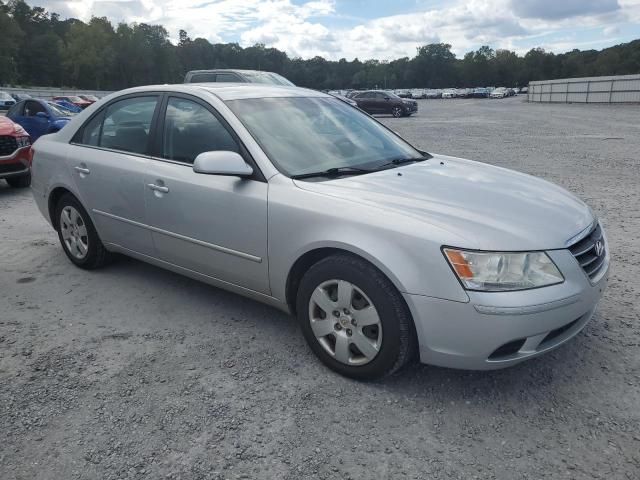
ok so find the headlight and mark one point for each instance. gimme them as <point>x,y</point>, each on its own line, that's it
<point>499,272</point>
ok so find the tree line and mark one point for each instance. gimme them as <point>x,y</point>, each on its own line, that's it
<point>41,49</point>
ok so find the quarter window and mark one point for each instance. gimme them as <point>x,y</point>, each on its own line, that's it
<point>91,131</point>
<point>127,124</point>
<point>203,78</point>
<point>227,77</point>
<point>190,129</point>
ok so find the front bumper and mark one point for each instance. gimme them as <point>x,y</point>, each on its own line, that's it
<point>15,164</point>
<point>499,329</point>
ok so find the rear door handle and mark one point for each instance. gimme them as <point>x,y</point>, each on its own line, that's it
<point>158,188</point>
<point>82,170</point>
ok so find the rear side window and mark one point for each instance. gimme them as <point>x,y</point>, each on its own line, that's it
<point>203,78</point>
<point>227,77</point>
<point>127,124</point>
<point>190,129</point>
<point>16,110</point>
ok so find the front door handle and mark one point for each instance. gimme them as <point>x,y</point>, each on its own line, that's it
<point>82,170</point>
<point>158,188</point>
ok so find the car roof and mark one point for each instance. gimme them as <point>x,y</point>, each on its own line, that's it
<point>230,91</point>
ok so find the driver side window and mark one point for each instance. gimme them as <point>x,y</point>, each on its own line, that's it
<point>190,129</point>
<point>33,108</point>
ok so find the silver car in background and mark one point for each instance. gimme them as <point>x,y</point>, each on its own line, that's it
<point>294,198</point>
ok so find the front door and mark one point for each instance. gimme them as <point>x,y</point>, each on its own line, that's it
<point>108,162</point>
<point>210,224</point>
<point>35,125</point>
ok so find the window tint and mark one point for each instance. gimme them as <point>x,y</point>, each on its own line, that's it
<point>190,129</point>
<point>127,124</point>
<point>227,77</point>
<point>203,78</point>
<point>31,108</point>
<point>91,131</point>
<point>380,96</point>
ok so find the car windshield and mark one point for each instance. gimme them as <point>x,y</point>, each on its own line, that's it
<point>5,96</point>
<point>91,97</point>
<point>74,99</point>
<point>312,134</point>
<point>267,77</point>
<point>59,110</point>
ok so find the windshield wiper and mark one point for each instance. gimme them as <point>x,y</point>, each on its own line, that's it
<point>402,161</point>
<point>333,172</point>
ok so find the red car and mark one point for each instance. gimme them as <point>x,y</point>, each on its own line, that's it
<point>77,101</point>
<point>89,98</point>
<point>15,154</point>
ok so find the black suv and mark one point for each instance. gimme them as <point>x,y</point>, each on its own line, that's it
<point>235,76</point>
<point>380,101</point>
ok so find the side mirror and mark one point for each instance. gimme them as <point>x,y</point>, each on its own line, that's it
<point>387,98</point>
<point>42,114</point>
<point>222,163</point>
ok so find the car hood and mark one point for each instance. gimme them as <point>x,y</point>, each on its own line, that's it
<point>488,207</point>
<point>9,128</point>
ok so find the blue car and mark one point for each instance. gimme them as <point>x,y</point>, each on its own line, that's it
<point>68,106</point>
<point>39,117</point>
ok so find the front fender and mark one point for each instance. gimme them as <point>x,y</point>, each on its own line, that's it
<point>301,221</point>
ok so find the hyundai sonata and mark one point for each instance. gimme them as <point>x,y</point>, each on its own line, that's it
<point>294,198</point>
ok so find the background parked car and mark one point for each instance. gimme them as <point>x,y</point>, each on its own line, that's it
<point>39,117</point>
<point>20,96</point>
<point>480,93</point>
<point>379,101</point>
<point>350,101</point>
<point>449,93</point>
<point>6,101</point>
<point>499,92</point>
<point>403,93</point>
<point>68,106</point>
<point>15,157</point>
<point>89,98</point>
<point>74,99</point>
<point>235,76</point>
<point>418,93</point>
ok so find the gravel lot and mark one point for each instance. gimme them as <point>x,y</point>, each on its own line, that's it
<point>135,372</point>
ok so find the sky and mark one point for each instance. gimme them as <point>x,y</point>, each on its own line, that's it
<point>380,29</point>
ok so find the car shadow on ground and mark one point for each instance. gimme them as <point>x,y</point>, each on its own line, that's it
<point>550,372</point>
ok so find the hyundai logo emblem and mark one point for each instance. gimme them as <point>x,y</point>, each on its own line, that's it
<point>599,248</point>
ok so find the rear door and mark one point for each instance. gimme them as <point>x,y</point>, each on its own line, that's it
<point>366,101</point>
<point>214,225</point>
<point>108,161</point>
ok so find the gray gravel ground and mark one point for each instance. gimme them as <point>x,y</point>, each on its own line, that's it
<point>134,372</point>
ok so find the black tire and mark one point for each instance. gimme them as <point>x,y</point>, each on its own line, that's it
<point>97,256</point>
<point>398,344</point>
<point>397,112</point>
<point>22,181</point>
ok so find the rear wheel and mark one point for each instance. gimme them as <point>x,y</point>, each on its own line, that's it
<point>22,181</point>
<point>354,319</point>
<point>78,236</point>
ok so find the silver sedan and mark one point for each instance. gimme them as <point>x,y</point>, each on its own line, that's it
<point>289,196</point>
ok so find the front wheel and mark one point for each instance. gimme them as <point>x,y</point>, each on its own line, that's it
<point>354,319</point>
<point>397,112</point>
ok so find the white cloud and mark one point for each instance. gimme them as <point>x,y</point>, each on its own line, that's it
<point>308,29</point>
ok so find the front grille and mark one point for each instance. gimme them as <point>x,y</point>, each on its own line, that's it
<point>8,145</point>
<point>590,252</point>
